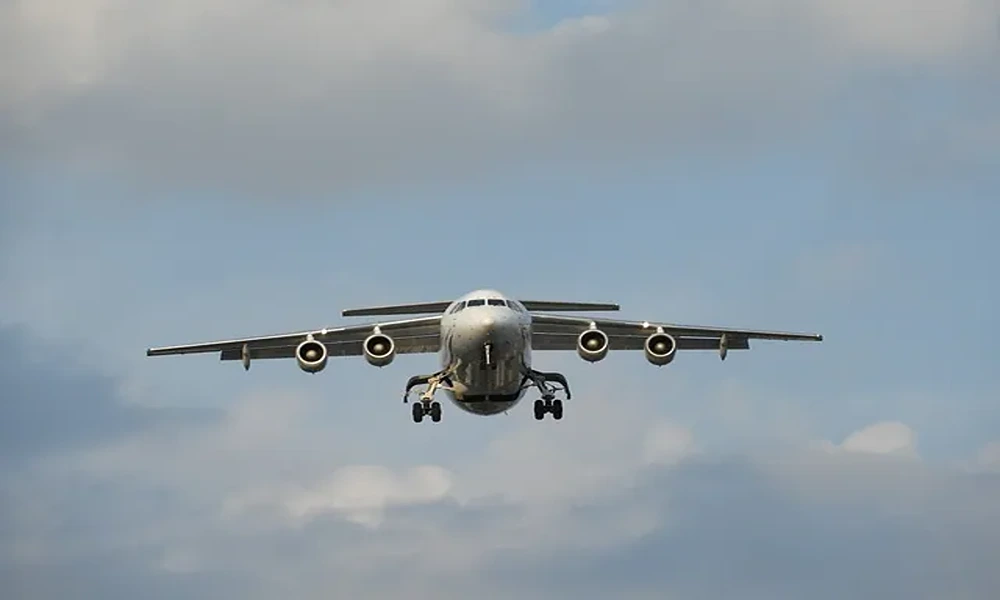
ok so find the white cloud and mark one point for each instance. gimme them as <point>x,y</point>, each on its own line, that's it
<point>272,95</point>
<point>668,444</point>
<point>919,30</point>
<point>989,456</point>
<point>814,507</point>
<point>883,438</point>
<point>362,492</point>
<point>274,495</point>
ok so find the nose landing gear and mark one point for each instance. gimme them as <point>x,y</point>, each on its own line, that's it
<point>488,361</point>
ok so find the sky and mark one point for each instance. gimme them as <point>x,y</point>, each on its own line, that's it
<point>187,171</point>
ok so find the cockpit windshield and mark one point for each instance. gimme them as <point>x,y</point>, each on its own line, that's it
<point>482,302</point>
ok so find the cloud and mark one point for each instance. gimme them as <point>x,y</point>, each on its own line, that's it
<point>668,444</point>
<point>51,404</point>
<point>363,492</point>
<point>989,456</point>
<point>279,493</point>
<point>272,498</point>
<point>919,30</point>
<point>883,438</point>
<point>320,97</point>
<point>708,527</point>
<point>741,528</point>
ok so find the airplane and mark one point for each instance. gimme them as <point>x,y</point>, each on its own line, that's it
<point>485,341</point>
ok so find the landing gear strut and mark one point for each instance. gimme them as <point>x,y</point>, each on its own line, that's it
<point>427,405</point>
<point>548,403</point>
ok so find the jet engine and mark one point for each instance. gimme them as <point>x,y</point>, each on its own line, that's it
<point>311,356</point>
<point>379,349</point>
<point>660,348</point>
<point>592,345</point>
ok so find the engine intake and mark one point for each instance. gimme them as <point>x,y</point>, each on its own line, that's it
<point>311,356</point>
<point>379,349</point>
<point>660,348</point>
<point>592,345</point>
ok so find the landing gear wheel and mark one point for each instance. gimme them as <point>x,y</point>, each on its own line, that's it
<point>552,407</point>
<point>556,409</point>
<point>435,412</point>
<point>418,412</point>
<point>539,410</point>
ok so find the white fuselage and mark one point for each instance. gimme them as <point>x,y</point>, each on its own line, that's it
<point>486,341</point>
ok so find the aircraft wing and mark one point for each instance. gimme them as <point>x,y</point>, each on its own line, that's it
<point>419,308</point>
<point>411,336</point>
<point>552,332</point>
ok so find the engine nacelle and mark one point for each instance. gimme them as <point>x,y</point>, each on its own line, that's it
<point>311,356</point>
<point>660,348</point>
<point>592,345</point>
<point>379,349</point>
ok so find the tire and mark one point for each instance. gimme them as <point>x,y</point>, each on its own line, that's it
<point>418,412</point>
<point>539,410</point>
<point>557,409</point>
<point>436,412</point>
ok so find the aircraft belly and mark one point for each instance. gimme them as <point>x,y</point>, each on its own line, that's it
<point>488,389</point>
<point>476,378</point>
<point>486,404</point>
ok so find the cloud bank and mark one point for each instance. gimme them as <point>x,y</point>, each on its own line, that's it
<point>273,494</point>
<point>260,503</point>
<point>317,97</point>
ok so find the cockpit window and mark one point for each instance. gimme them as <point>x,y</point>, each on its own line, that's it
<point>479,302</point>
<point>496,302</point>
<point>457,307</point>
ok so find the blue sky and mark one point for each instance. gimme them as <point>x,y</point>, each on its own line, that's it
<point>814,166</point>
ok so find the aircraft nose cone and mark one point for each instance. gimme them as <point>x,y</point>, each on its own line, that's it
<point>488,322</point>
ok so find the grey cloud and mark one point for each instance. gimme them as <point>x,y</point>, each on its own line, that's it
<point>50,404</point>
<point>730,527</point>
<point>305,97</point>
<point>117,576</point>
<point>821,523</point>
<point>734,529</point>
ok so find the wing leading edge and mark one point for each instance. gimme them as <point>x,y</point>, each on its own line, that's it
<point>419,308</point>
<point>411,336</point>
<point>414,308</point>
<point>557,306</point>
<point>553,332</point>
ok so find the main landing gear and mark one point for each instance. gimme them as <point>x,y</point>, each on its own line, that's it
<point>427,406</point>
<point>548,403</point>
<point>552,407</point>
<point>421,409</point>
